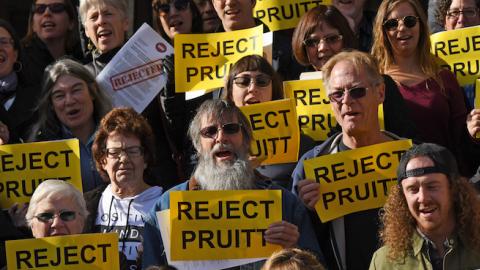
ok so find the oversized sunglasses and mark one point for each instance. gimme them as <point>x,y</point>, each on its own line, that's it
<point>262,80</point>
<point>54,8</point>
<point>355,93</point>
<point>212,131</point>
<point>165,8</point>
<point>330,40</point>
<point>392,24</point>
<point>64,215</point>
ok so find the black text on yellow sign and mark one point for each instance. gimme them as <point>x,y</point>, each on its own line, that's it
<point>275,131</point>
<point>24,166</point>
<point>217,225</point>
<point>355,180</point>
<point>284,14</point>
<point>315,116</point>
<point>459,51</point>
<point>202,61</point>
<point>70,252</point>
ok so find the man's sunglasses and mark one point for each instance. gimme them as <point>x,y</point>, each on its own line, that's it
<point>392,24</point>
<point>54,8</point>
<point>262,80</point>
<point>165,8</point>
<point>212,131</point>
<point>48,217</point>
<point>355,93</point>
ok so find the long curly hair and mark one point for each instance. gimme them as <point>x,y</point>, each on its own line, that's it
<point>399,225</point>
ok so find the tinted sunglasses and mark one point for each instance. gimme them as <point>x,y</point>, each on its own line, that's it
<point>355,93</point>
<point>392,24</point>
<point>330,40</point>
<point>48,217</point>
<point>212,131</point>
<point>262,80</point>
<point>54,8</point>
<point>165,8</point>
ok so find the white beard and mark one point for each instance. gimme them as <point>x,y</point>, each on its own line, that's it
<point>234,175</point>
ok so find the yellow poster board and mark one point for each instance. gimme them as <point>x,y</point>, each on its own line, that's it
<point>202,61</point>
<point>97,251</point>
<point>284,14</point>
<point>276,136</point>
<point>459,51</point>
<point>227,224</point>
<point>355,180</point>
<point>24,166</point>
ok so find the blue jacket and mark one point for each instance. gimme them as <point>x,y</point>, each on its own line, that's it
<point>293,211</point>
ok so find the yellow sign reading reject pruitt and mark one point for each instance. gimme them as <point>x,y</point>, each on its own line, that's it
<point>202,61</point>
<point>460,50</point>
<point>218,225</point>
<point>276,136</point>
<point>355,180</point>
<point>284,14</point>
<point>71,252</point>
<point>24,166</point>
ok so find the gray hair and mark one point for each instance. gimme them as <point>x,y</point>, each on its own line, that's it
<point>85,5</point>
<point>359,61</point>
<point>218,110</point>
<point>48,121</point>
<point>55,189</point>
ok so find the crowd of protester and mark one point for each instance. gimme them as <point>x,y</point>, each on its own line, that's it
<point>367,53</point>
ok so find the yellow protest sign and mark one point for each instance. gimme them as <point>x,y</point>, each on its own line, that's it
<point>227,224</point>
<point>24,166</point>
<point>459,51</point>
<point>355,180</point>
<point>284,14</point>
<point>276,136</point>
<point>203,60</point>
<point>70,252</point>
<point>315,116</point>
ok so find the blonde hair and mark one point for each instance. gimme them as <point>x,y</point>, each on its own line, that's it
<point>292,259</point>
<point>382,49</point>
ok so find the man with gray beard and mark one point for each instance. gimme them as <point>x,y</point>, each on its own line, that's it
<point>221,134</point>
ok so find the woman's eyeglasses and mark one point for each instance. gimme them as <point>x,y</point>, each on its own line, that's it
<point>355,93</point>
<point>262,80</point>
<point>212,131</point>
<point>132,151</point>
<point>165,8</point>
<point>54,8</point>
<point>329,40</point>
<point>467,12</point>
<point>392,24</point>
<point>64,215</point>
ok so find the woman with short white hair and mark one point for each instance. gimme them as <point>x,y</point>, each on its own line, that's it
<point>56,208</point>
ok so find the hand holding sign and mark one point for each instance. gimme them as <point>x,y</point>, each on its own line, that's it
<point>309,192</point>
<point>473,122</point>
<point>282,233</point>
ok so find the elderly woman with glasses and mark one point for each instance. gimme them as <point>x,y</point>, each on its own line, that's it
<point>56,208</point>
<point>52,33</point>
<point>124,150</point>
<point>433,97</point>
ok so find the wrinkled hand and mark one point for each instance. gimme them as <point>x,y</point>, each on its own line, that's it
<point>4,133</point>
<point>308,192</point>
<point>473,122</point>
<point>17,214</point>
<point>282,233</point>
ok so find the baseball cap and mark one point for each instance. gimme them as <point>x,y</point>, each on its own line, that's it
<point>443,160</point>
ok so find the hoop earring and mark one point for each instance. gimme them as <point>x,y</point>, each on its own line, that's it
<point>17,66</point>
